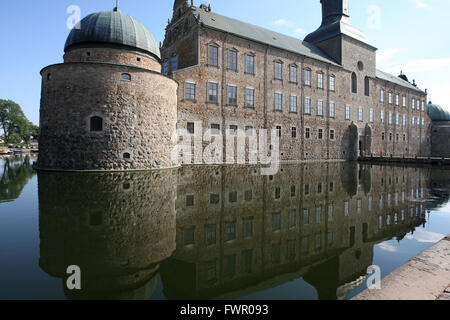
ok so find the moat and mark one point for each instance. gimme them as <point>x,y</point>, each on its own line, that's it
<point>215,232</point>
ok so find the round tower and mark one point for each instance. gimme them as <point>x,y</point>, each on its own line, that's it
<point>107,107</point>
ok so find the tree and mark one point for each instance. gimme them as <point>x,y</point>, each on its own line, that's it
<point>13,122</point>
<point>34,131</point>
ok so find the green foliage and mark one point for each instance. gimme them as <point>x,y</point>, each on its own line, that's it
<point>13,122</point>
<point>34,131</point>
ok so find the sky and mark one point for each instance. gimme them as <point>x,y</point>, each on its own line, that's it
<point>411,35</point>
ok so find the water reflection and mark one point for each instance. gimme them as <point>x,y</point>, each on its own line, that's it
<point>116,227</point>
<point>225,232</point>
<point>15,172</point>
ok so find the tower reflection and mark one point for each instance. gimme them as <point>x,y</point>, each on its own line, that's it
<point>116,227</point>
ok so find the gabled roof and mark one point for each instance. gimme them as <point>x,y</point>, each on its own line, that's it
<point>261,35</point>
<point>391,78</point>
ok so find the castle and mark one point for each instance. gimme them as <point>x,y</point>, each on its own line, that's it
<point>116,101</point>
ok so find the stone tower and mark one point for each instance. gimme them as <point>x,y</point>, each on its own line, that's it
<point>344,43</point>
<point>107,107</point>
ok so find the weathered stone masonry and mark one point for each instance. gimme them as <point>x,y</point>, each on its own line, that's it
<point>193,30</point>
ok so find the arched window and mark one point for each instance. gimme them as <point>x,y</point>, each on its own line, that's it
<point>354,83</point>
<point>49,77</point>
<point>367,86</point>
<point>126,76</point>
<point>96,124</point>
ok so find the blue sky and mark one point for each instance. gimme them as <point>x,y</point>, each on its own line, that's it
<point>411,35</point>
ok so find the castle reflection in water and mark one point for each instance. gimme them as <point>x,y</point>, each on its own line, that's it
<point>227,231</point>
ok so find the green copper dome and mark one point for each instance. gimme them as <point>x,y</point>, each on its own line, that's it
<point>436,113</point>
<point>113,27</point>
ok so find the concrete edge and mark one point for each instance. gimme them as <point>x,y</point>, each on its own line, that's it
<point>425,277</point>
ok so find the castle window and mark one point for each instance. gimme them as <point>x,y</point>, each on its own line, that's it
<point>404,120</point>
<point>332,83</point>
<point>232,60</point>
<point>293,74</point>
<point>390,118</point>
<point>320,108</point>
<point>49,77</point>
<point>175,63</point>
<point>390,97</point>
<point>249,131</point>
<point>126,77</point>
<point>320,80</point>
<point>213,92</point>
<point>307,75</point>
<point>96,124</point>
<point>166,67</point>
<point>278,131</point>
<point>320,135</point>
<point>278,70</point>
<point>307,105</point>
<point>250,64</point>
<point>307,133</point>
<point>190,91</point>
<point>371,115</point>
<point>381,95</point>
<point>332,109</point>
<point>397,100</point>
<point>213,56</point>
<point>88,54</point>
<point>382,116</point>
<point>190,128</point>
<point>354,83</point>
<point>332,134</point>
<point>127,155</point>
<point>232,95</point>
<point>278,101</point>
<point>383,136</point>
<point>250,98</point>
<point>294,132</point>
<point>404,101</point>
<point>413,103</point>
<point>360,114</point>
<point>367,86</point>
<point>215,129</point>
<point>233,130</point>
<point>293,104</point>
<point>397,119</point>
<point>138,59</point>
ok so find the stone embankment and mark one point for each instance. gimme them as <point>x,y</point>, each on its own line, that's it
<point>425,277</point>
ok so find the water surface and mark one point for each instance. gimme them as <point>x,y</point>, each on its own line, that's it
<point>214,232</point>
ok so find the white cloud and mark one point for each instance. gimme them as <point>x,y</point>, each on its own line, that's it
<point>419,3</point>
<point>425,236</point>
<point>299,31</point>
<point>387,247</point>
<point>422,65</point>
<point>283,22</point>
<point>385,56</point>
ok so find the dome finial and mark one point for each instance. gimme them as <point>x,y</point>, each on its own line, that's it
<point>116,9</point>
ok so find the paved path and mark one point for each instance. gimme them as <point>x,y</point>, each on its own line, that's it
<point>425,277</point>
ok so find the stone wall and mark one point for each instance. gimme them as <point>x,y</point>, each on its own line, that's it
<point>415,143</point>
<point>139,115</point>
<point>119,55</point>
<point>440,136</point>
